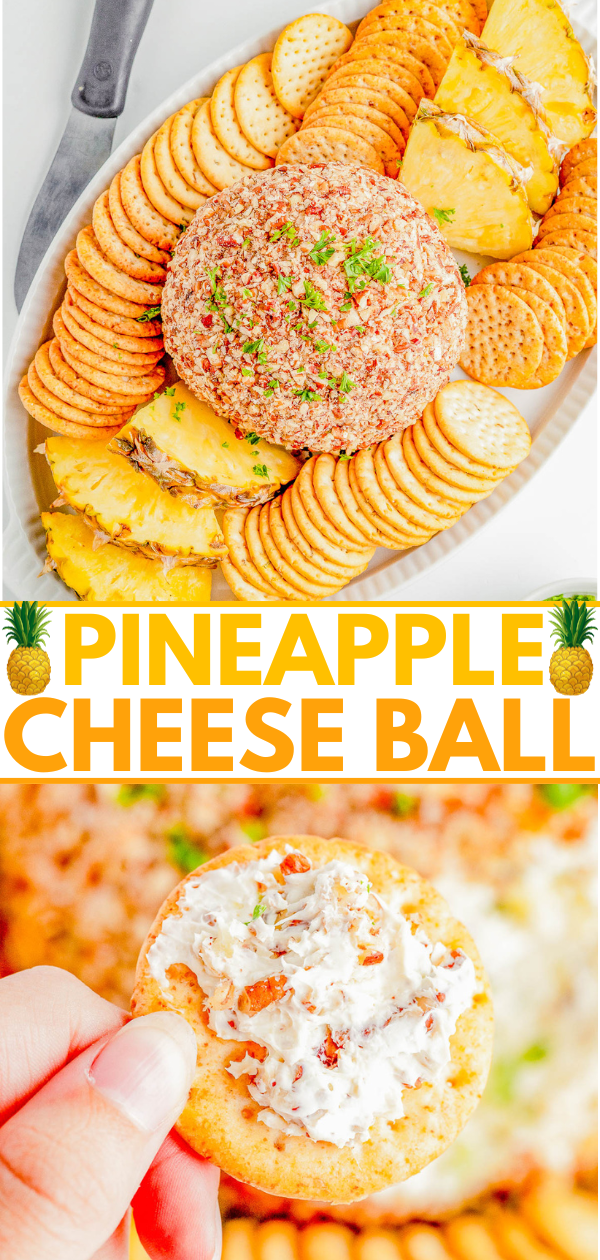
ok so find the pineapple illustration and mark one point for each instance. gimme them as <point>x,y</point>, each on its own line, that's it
<point>28,665</point>
<point>571,664</point>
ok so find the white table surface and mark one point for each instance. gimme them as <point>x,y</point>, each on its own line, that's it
<point>547,532</point>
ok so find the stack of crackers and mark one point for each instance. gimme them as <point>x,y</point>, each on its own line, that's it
<point>370,99</point>
<point>529,316</point>
<point>309,542</point>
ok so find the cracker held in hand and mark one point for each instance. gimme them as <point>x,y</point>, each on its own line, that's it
<point>343,1017</point>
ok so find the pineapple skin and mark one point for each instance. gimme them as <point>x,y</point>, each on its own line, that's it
<point>571,670</point>
<point>28,670</point>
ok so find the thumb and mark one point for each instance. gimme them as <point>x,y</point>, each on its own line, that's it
<point>72,1158</point>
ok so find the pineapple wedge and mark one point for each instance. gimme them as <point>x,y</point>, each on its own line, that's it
<point>540,37</point>
<point>459,169</point>
<point>195,454</point>
<point>110,574</point>
<point>484,87</point>
<point>129,507</point>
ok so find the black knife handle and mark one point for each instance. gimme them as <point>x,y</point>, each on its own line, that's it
<point>117,27</point>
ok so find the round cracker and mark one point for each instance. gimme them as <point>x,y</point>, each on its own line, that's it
<point>457,495</point>
<point>578,323</point>
<point>137,344</point>
<point>125,229</point>
<point>580,152</point>
<point>356,109</point>
<point>438,18</point>
<point>503,342</point>
<point>311,504</point>
<point>446,471</point>
<point>261,560</point>
<point>554,354</point>
<point>519,275</point>
<point>399,539</point>
<point>156,192</point>
<point>403,70</point>
<point>311,588</point>
<point>146,329</point>
<point>415,22</point>
<point>242,589</point>
<point>142,213</point>
<point>327,505</point>
<point>100,267</point>
<point>560,222</point>
<point>51,420</point>
<point>483,424</point>
<point>181,148</point>
<point>383,88</point>
<point>217,164</point>
<point>315,554</point>
<point>351,120</point>
<point>314,536</point>
<point>106,350</point>
<point>383,107</point>
<point>293,556</point>
<point>364,477</point>
<point>76,346</point>
<point>262,118</point>
<point>66,394</point>
<point>573,203</point>
<point>450,453</point>
<point>587,187</point>
<point>398,500</point>
<point>220,1119</point>
<point>303,56</point>
<point>140,387</point>
<point>462,12</point>
<point>72,377</point>
<point>329,144</point>
<point>377,537</point>
<point>76,415</point>
<point>85,284</point>
<point>575,273</point>
<point>397,54</point>
<point>586,270</point>
<point>227,128</point>
<point>117,251</point>
<point>576,238</point>
<point>410,40</point>
<point>395,459</point>
<point>234,531</point>
<point>169,174</point>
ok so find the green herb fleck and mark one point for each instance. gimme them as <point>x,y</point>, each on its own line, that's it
<point>288,230</point>
<point>252,438</point>
<point>313,298</point>
<point>271,387</point>
<point>403,805</point>
<point>247,372</point>
<point>179,407</point>
<point>307,395</point>
<point>427,290</point>
<point>246,242</point>
<point>344,384</point>
<point>323,250</point>
<point>362,264</point>
<point>131,793</point>
<point>170,392</point>
<point>247,293</point>
<point>218,300</point>
<point>323,346</point>
<point>260,470</point>
<point>283,283</point>
<point>258,910</point>
<point>257,348</point>
<point>225,445</point>
<point>562,795</point>
<point>183,851</point>
<point>153,312</point>
<point>442,216</point>
<point>253,829</point>
<point>464,271</point>
<point>344,455</point>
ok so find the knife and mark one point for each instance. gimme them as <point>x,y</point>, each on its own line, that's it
<point>97,100</point>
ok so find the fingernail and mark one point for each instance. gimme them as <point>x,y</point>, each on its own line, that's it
<point>146,1070</point>
<point>218,1234</point>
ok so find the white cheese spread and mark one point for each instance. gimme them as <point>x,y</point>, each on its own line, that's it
<point>344,1000</point>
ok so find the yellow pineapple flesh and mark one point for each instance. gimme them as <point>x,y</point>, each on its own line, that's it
<point>539,35</point>
<point>129,507</point>
<point>191,452</point>
<point>487,90</point>
<point>460,169</point>
<point>28,670</point>
<point>110,574</point>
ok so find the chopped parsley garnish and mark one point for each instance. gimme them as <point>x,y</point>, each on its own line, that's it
<point>219,300</point>
<point>283,283</point>
<point>427,290</point>
<point>464,271</point>
<point>323,250</point>
<point>271,387</point>
<point>323,346</point>
<point>245,242</point>
<point>247,293</point>
<point>252,438</point>
<point>257,348</point>
<point>254,829</point>
<point>346,306</point>
<point>288,230</point>
<point>153,312</point>
<point>130,793</point>
<point>344,455</point>
<point>313,298</point>
<point>562,795</point>
<point>184,852</point>
<point>170,392</point>
<point>308,395</point>
<point>362,262</point>
<point>225,445</point>
<point>247,372</point>
<point>344,384</point>
<point>404,805</point>
<point>258,910</point>
<point>179,407</point>
<point>260,470</point>
<point>442,216</point>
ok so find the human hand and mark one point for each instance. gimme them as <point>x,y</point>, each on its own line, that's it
<point>87,1102</point>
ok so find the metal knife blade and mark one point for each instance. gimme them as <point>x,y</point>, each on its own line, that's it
<point>85,145</point>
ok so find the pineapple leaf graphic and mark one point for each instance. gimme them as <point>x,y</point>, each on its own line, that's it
<point>28,667</point>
